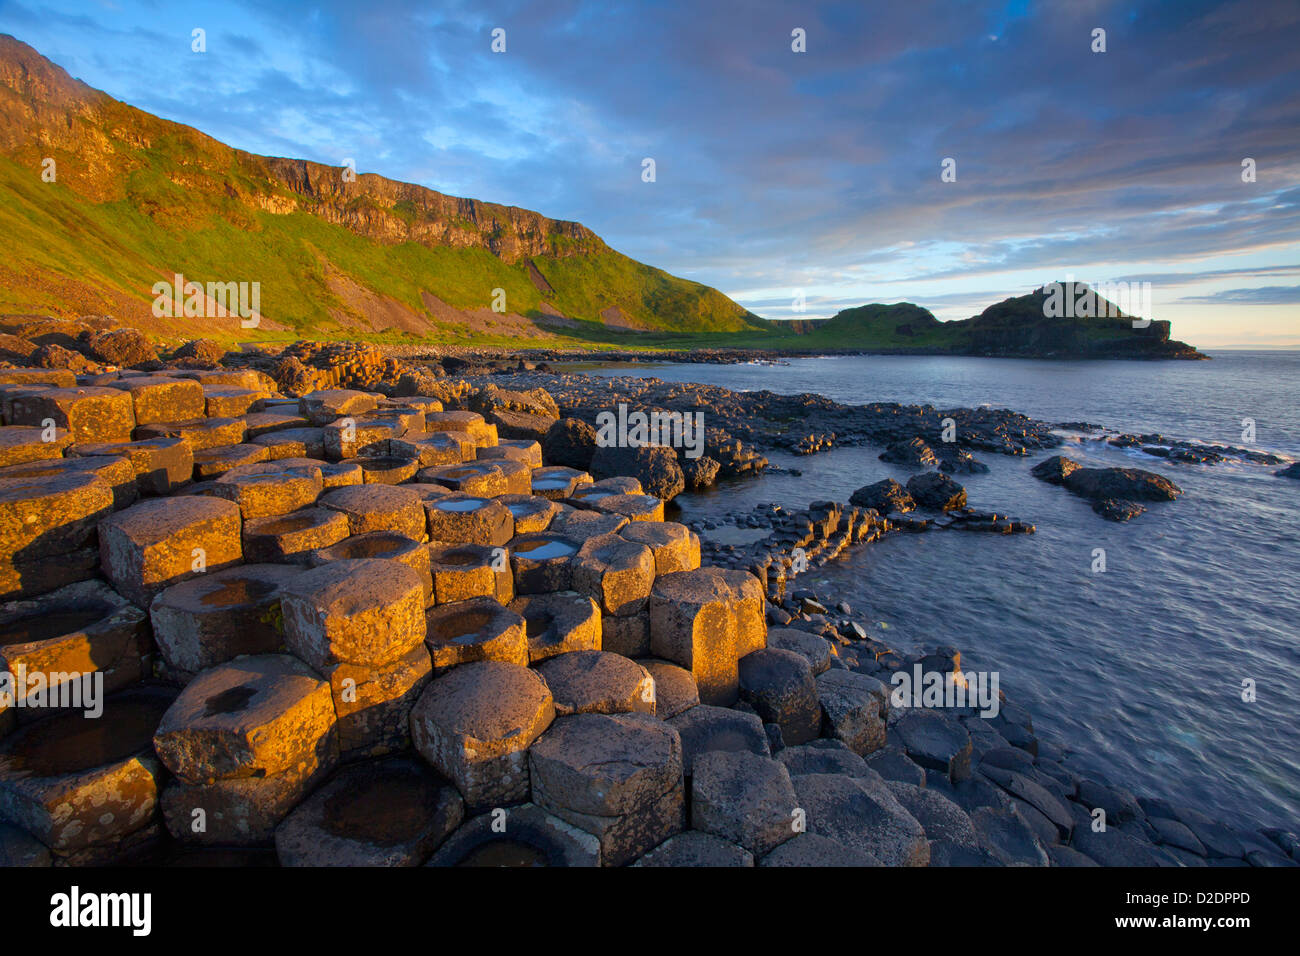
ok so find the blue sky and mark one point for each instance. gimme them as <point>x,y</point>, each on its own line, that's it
<point>779,171</point>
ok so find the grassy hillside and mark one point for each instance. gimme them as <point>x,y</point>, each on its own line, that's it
<point>138,198</point>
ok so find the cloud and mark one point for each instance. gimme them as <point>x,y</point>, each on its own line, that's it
<point>776,170</point>
<point>1263,295</point>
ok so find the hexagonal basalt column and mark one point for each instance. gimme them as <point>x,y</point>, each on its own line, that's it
<point>21,444</point>
<point>481,479</point>
<point>368,612</point>
<point>635,508</point>
<point>695,849</point>
<point>161,465</point>
<point>744,798</point>
<point>542,562</point>
<point>628,635</point>
<point>227,401</point>
<point>597,682</point>
<point>255,717</point>
<point>374,704</point>
<point>201,434</point>
<point>74,781</point>
<point>389,812</point>
<point>463,441</point>
<point>239,811</point>
<point>479,629</point>
<point>531,837</point>
<point>215,618</point>
<point>214,462</point>
<point>583,524</point>
<point>89,414</point>
<point>290,442</point>
<point>163,541</point>
<point>43,523</point>
<point>342,474</point>
<point>815,650</point>
<point>322,407</point>
<point>705,620</point>
<point>706,728</point>
<point>163,399</point>
<point>531,513</point>
<point>289,537</point>
<point>464,571</point>
<point>525,450</point>
<point>675,547</point>
<point>559,623</point>
<point>618,574</point>
<point>675,690</point>
<point>617,776</point>
<point>269,495</point>
<point>462,519</point>
<point>431,451</point>
<point>380,544</point>
<point>854,705</point>
<point>472,423</point>
<point>864,815</point>
<point>780,686</point>
<point>558,482</point>
<point>81,629</point>
<point>116,472</point>
<point>379,508</point>
<point>475,725</point>
<point>350,437</point>
<point>518,476</point>
<point>388,470</point>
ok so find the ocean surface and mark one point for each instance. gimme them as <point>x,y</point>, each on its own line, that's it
<point>1138,671</point>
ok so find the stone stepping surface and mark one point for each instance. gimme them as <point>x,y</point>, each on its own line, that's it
<point>347,628</point>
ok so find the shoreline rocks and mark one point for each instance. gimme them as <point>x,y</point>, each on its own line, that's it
<point>363,613</point>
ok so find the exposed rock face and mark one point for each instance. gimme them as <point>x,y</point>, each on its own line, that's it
<point>1055,470</point>
<point>936,491</point>
<point>1132,484</point>
<point>570,442</point>
<point>201,353</point>
<point>127,348</point>
<point>654,466</point>
<point>914,452</point>
<point>1114,492</point>
<point>886,496</point>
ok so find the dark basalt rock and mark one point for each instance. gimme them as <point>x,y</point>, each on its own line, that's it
<point>1055,470</point>
<point>700,472</point>
<point>1131,484</point>
<point>1114,509</point>
<point>1114,492</point>
<point>936,490</point>
<point>885,496</point>
<point>123,347</point>
<point>655,466</point>
<point>958,461</point>
<point>570,442</point>
<point>914,452</point>
<point>1291,471</point>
